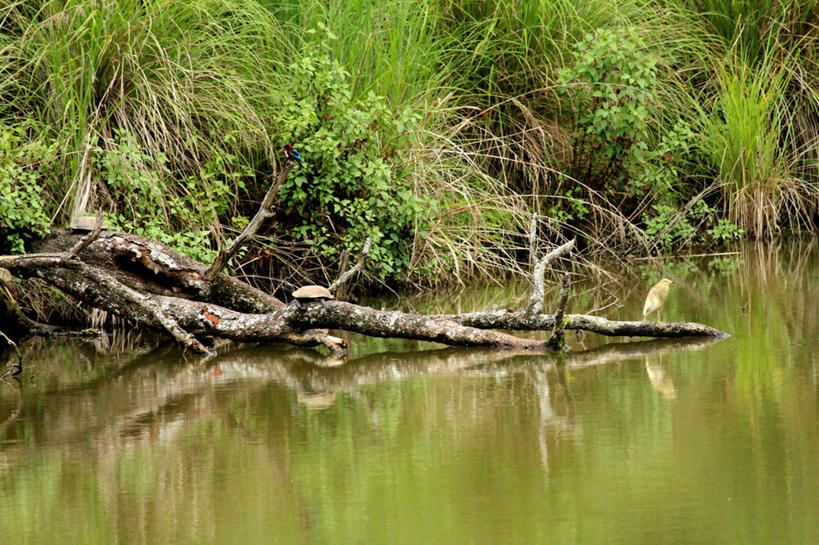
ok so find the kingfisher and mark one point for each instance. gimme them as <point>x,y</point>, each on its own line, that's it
<point>291,153</point>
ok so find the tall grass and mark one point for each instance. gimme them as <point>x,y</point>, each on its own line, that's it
<point>761,137</point>
<point>749,144</point>
<point>187,80</point>
<point>395,49</point>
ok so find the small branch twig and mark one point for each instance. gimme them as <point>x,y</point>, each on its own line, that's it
<point>89,238</point>
<point>12,343</point>
<point>262,214</point>
<point>362,260</point>
<point>535,304</point>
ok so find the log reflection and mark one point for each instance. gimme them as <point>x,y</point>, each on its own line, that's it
<point>152,398</point>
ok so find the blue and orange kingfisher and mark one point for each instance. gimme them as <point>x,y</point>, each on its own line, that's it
<point>291,153</point>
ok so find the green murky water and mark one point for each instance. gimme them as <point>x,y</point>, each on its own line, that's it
<point>632,443</point>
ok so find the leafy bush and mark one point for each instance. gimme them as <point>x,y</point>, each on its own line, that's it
<point>22,208</point>
<point>610,89</point>
<point>353,183</point>
<point>725,231</point>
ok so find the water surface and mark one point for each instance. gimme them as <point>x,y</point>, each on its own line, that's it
<point>626,443</point>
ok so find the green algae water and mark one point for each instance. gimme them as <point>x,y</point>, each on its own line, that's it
<point>119,441</point>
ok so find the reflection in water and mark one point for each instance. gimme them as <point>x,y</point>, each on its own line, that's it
<point>660,379</point>
<point>113,444</point>
<point>15,384</point>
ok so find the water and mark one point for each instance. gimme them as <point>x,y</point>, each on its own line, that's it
<point>632,443</point>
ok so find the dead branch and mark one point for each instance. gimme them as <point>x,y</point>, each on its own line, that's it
<point>146,265</point>
<point>144,281</point>
<point>296,323</point>
<point>101,289</point>
<point>183,318</point>
<point>558,341</point>
<point>535,304</point>
<point>362,260</point>
<point>264,212</point>
<point>380,323</point>
<point>523,321</point>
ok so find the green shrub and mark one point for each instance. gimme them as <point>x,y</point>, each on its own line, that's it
<point>725,231</point>
<point>22,209</point>
<point>610,91</point>
<point>138,186</point>
<point>353,184</point>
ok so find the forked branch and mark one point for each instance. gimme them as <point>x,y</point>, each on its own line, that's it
<point>362,260</point>
<point>535,304</point>
<point>265,211</point>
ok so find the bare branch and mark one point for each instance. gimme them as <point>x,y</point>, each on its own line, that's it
<point>380,323</point>
<point>558,340</point>
<point>343,263</point>
<point>262,214</point>
<point>362,260</point>
<point>535,304</point>
<point>16,348</point>
<point>100,285</point>
<point>522,321</point>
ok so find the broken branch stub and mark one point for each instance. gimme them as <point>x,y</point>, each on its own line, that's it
<point>558,339</point>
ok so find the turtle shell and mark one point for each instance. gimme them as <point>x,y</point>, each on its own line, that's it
<point>312,292</point>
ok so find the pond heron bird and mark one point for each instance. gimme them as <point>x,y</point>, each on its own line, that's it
<point>656,297</point>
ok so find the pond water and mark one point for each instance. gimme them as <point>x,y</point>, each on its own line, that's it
<point>120,440</point>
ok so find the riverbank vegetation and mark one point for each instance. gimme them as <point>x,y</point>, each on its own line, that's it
<point>439,130</point>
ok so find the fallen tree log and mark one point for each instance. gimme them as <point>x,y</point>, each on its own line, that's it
<point>147,266</point>
<point>186,320</point>
<point>146,282</point>
<point>523,321</point>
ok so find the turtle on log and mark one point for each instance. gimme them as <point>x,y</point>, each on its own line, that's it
<point>309,294</point>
